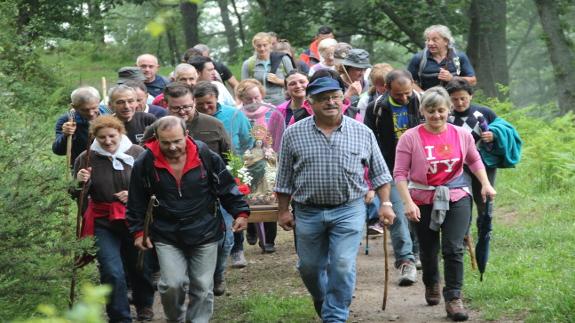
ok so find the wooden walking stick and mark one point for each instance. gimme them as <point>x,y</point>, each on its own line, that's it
<point>147,221</point>
<point>468,239</point>
<point>79,213</point>
<point>71,118</point>
<point>386,284</point>
<point>104,91</point>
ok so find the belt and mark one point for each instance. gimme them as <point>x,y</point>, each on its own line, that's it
<point>322,206</point>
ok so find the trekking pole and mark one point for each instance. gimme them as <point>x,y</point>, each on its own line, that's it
<point>147,221</point>
<point>386,283</point>
<point>79,212</point>
<point>468,239</point>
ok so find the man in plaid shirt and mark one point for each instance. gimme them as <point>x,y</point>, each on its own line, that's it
<point>322,167</point>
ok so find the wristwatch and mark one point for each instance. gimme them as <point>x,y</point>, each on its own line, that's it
<point>387,203</point>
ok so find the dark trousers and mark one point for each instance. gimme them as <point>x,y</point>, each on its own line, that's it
<point>453,231</point>
<point>115,245</point>
<point>476,189</point>
<point>271,229</point>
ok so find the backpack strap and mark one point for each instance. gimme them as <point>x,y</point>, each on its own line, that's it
<point>422,63</point>
<point>251,66</point>
<point>377,110</point>
<point>276,59</point>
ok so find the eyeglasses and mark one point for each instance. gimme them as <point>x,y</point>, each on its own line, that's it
<point>181,108</point>
<point>336,98</point>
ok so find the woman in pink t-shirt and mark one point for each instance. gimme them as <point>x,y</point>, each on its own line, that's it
<point>430,179</point>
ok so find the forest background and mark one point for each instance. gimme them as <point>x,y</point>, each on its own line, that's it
<point>522,51</point>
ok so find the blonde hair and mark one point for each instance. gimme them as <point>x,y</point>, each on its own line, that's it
<point>378,74</point>
<point>245,85</point>
<point>262,36</point>
<point>106,121</point>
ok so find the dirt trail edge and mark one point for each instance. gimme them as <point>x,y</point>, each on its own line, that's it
<point>404,304</point>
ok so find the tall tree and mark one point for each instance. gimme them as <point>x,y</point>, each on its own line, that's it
<point>229,27</point>
<point>487,44</point>
<point>190,16</point>
<point>561,54</point>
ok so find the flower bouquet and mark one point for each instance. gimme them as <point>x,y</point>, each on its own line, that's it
<point>239,172</point>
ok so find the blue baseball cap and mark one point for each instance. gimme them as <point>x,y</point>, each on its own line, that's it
<point>322,84</point>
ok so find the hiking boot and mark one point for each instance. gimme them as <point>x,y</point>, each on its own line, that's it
<point>145,313</point>
<point>269,248</point>
<point>219,286</point>
<point>317,305</point>
<point>375,229</point>
<point>252,239</point>
<point>432,294</point>
<point>238,259</point>
<point>455,310</point>
<point>408,274</point>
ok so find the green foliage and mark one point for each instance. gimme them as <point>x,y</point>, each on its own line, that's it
<point>89,309</point>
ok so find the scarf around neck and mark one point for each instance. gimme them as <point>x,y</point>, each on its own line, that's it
<point>120,153</point>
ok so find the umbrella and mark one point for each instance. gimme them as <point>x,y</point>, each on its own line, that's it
<point>484,227</point>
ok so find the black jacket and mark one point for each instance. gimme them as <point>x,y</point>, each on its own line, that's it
<point>188,212</point>
<point>379,118</point>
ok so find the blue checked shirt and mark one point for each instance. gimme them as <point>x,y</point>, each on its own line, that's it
<point>319,170</point>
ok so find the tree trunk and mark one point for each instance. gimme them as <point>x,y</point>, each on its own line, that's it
<point>487,44</point>
<point>229,27</point>
<point>560,53</point>
<point>240,23</point>
<point>96,23</point>
<point>172,45</point>
<point>190,15</point>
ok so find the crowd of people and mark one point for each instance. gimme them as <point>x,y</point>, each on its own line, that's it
<point>396,147</point>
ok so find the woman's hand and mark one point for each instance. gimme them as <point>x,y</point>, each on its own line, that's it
<point>122,196</point>
<point>84,174</point>
<point>272,78</point>
<point>353,89</point>
<point>487,136</point>
<point>369,197</point>
<point>412,211</point>
<point>487,191</point>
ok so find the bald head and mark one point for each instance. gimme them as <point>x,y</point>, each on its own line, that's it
<point>149,66</point>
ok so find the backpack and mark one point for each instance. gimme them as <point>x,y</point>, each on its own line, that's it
<point>275,62</point>
<point>450,52</point>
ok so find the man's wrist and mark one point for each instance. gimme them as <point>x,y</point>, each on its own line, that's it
<point>387,203</point>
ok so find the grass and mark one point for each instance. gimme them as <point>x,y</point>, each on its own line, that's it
<point>530,273</point>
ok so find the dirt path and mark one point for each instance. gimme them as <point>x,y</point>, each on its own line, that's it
<point>404,304</point>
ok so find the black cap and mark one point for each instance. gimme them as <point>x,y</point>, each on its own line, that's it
<point>130,73</point>
<point>324,30</point>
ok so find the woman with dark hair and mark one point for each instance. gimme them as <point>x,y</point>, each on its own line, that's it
<point>295,85</point>
<point>307,111</point>
<point>106,171</point>
<point>439,62</point>
<point>435,191</point>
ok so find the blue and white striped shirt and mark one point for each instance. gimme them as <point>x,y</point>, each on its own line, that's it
<point>319,170</point>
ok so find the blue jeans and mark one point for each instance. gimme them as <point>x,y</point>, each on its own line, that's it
<point>116,248</point>
<point>224,245</point>
<point>400,238</point>
<point>191,270</point>
<point>327,245</point>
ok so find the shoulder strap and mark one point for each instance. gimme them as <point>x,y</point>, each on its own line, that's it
<point>206,159</point>
<point>377,110</point>
<point>276,60</point>
<point>251,66</point>
<point>422,63</point>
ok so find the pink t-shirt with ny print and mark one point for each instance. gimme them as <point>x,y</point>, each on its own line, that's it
<point>443,154</point>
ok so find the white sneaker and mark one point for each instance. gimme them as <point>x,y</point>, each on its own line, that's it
<point>375,229</point>
<point>408,274</point>
<point>238,259</point>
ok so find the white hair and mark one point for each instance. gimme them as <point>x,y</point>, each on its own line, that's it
<point>443,31</point>
<point>84,95</point>
<point>182,68</point>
